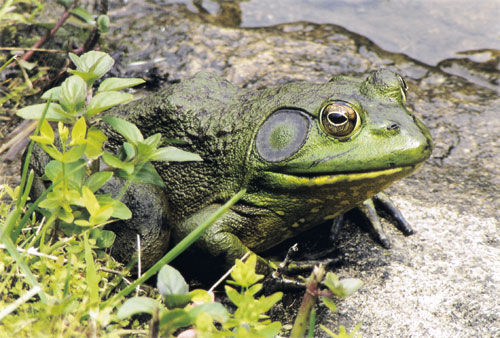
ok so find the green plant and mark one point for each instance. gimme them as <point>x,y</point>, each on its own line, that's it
<point>306,316</point>
<point>182,308</point>
<point>73,197</point>
<point>63,272</point>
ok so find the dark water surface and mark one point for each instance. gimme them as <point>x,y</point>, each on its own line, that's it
<point>428,31</point>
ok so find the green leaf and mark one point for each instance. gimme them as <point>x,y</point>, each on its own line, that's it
<point>233,295</point>
<point>115,162</point>
<point>201,296</point>
<point>65,215</point>
<point>129,151</point>
<point>75,172</point>
<point>341,288</point>
<point>46,134</point>
<point>97,180</point>
<point>53,169</point>
<point>174,319</point>
<point>149,175</point>
<point>216,310</point>
<point>73,154</point>
<point>95,140</point>
<point>76,60</point>
<point>252,291</point>
<point>174,154</point>
<point>78,132</point>
<point>93,61</point>
<point>120,210</point>
<point>91,65</point>
<point>177,300</point>
<point>83,14</point>
<point>63,132</point>
<point>112,160</point>
<point>103,23</point>
<point>34,112</point>
<point>53,152</point>
<point>170,281</point>
<point>350,285</point>
<point>54,92</point>
<point>244,272</point>
<point>73,94</point>
<point>100,63</point>
<point>117,83</point>
<point>49,203</point>
<point>144,151</point>
<point>173,287</point>
<point>128,130</point>
<point>90,201</point>
<point>106,100</point>
<point>88,77</point>
<point>137,305</point>
<point>102,214</point>
<point>104,238</point>
<point>154,140</point>
<point>330,304</point>
<point>270,330</point>
<point>83,223</point>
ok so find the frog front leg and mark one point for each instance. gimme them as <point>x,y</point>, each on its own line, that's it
<point>149,223</point>
<point>369,208</point>
<point>220,242</point>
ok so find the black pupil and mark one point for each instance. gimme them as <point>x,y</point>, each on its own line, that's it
<point>337,118</point>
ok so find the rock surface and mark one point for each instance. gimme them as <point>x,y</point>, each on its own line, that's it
<point>444,280</point>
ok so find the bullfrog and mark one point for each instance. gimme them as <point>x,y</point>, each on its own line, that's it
<point>305,153</point>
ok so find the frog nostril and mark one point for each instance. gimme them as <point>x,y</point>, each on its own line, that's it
<point>393,126</point>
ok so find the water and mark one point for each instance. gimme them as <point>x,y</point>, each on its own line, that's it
<point>428,31</point>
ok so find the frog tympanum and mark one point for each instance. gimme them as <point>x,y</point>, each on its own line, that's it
<point>306,153</point>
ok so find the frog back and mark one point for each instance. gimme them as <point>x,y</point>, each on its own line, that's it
<point>205,113</point>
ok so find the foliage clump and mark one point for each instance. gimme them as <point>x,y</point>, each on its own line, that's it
<point>60,275</point>
<point>183,308</point>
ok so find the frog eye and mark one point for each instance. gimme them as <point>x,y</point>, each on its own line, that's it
<point>282,134</point>
<point>338,119</point>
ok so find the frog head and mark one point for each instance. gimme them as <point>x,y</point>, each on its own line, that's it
<point>342,141</point>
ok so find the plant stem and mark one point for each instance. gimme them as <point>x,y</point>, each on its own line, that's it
<point>50,33</point>
<point>310,296</point>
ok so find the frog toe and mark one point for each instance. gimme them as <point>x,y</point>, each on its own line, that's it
<point>369,211</point>
<point>382,202</point>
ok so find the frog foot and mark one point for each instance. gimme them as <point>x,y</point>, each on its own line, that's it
<point>369,209</point>
<point>286,274</point>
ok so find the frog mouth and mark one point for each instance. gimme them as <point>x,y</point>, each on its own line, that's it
<point>385,176</point>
